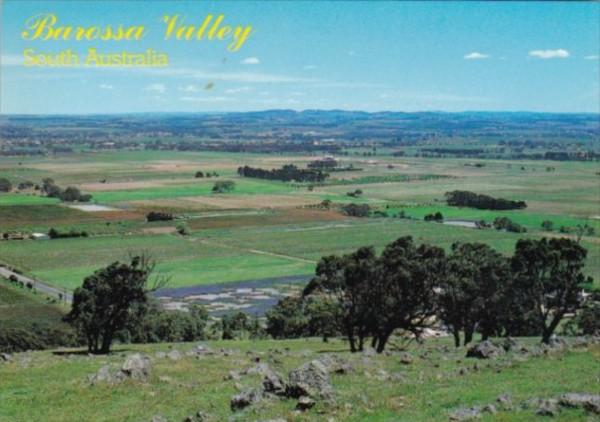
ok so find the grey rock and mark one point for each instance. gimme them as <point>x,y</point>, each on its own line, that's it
<point>174,355</point>
<point>589,402</point>
<point>311,379</point>
<point>465,414</point>
<point>406,358</point>
<point>335,364</point>
<point>485,350</point>
<point>305,403</point>
<point>273,383</point>
<point>489,408</point>
<point>504,401</point>
<point>232,375</point>
<point>200,416</point>
<point>245,399</point>
<point>160,355</point>
<point>510,344</point>
<point>547,407</point>
<point>137,367</point>
<point>158,418</point>
<point>103,375</point>
<point>5,357</point>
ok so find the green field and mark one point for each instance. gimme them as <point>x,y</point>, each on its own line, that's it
<point>53,387</point>
<point>276,231</point>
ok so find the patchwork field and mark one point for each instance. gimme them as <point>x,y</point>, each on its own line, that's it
<point>265,228</point>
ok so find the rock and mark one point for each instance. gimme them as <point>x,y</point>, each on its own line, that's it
<point>557,342</point>
<point>510,344</point>
<point>489,408</point>
<point>258,369</point>
<point>232,375</point>
<point>174,355</point>
<point>485,350</point>
<point>406,358</point>
<point>245,399</point>
<point>103,375</point>
<point>160,355</point>
<point>589,402</point>
<point>382,375</point>
<point>504,401</point>
<point>158,418</point>
<point>547,407</point>
<point>335,364</point>
<point>200,416</point>
<point>465,414</point>
<point>5,357</point>
<point>305,403</point>
<point>369,352</point>
<point>200,350</point>
<point>137,367</point>
<point>311,379</point>
<point>273,383</point>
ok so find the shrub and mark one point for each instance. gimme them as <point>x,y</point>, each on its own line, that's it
<point>158,216</point>
<point>224,186</point>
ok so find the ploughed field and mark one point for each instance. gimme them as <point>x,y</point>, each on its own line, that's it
<point>266,229</point>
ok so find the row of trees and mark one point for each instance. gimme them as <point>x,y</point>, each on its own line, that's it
<point>287,173</point>
<point>414,287</point>
<point>70,194</point>
<point>463,198</point>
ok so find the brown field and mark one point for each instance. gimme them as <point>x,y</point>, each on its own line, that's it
<point>252,201</point>
<point>278,217</point>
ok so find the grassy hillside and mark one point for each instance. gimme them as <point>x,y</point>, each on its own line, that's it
<point>54,386</point>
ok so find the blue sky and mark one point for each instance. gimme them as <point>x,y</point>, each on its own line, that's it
<point>402,56</point>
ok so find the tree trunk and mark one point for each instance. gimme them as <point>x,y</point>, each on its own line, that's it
<point>468,335</point>
<point>456,334</point>
<point>383,339</point>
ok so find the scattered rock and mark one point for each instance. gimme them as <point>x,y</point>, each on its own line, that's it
<point>5,357</point>
<point>305,403</point>
<point>466,414</point>
<point>311,379</point>
<point>103,375</point>
<point>200,350</point>
<point>245,399</point>
<point>160,355</point>
<point>158,418</point>
<point>174,355</point>
<point>485,350</point>
<point>547,407</point>
<point>504,401</point>
<point>200,416</point>
<point>136,367</point>
<point>232,375</point>
<point>510,344</point>
<point>489,408</point>
<point>589,402</point>
<point>406,358</point>
<point>335,364</point>
<point>273,383</point>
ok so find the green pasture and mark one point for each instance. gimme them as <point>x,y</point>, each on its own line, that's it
<point>200,188</point>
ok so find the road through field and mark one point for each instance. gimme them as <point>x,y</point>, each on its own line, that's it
<point>38,285</point>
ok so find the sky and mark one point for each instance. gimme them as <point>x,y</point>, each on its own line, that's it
<point>371,56</point>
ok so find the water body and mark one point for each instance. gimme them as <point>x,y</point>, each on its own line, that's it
<point>254,297</point>
<point>461,223</point>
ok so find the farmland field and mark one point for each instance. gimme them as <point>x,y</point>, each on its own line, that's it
<point>265,228</point>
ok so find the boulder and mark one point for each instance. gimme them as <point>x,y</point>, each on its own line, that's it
<point>273,383</point>
<point>406,358</point>
<point>312,380</point>
<point>137,367</point>
<point>245,399</point>
<point>465,414</point>
<point>158,418</point>
<point>335,364</point>
<point>174,355</point>
<point>103,375</point>
<point>485,350</point>
<point>504,401</point>
<point>5,357</point>
<point>547,407</point>
<point>589,402</point>
<point>305,403</point>
<point>232,375</point>
<point>200,416</point>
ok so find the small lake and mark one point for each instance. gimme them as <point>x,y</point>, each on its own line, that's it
<point>254,297</point>
<point>461,223</point>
